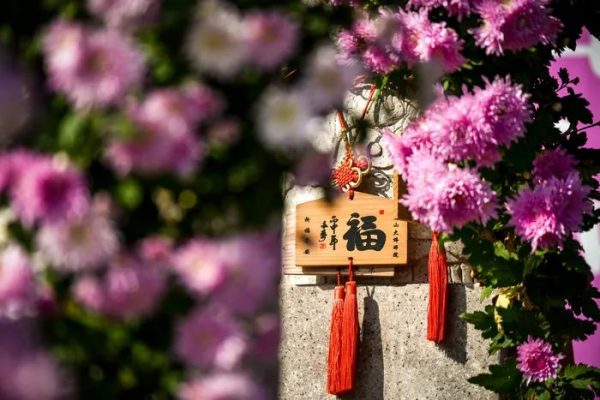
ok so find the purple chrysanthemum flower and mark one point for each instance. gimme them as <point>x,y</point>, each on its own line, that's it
<point>209,338</point>
<point>537,360</point>
<point>92,68</point>
<point>515,25</point>
<point>17,282</point>
<point>222,386</point>
<point>555,163</point>
<point>446,197</point>
<point>271,38</point>
<point>49,190</point>
<point>125,14</point>
<point>27,372</point>
<point>547,214</point>
<point>77,244</point>
<point>201,266</point>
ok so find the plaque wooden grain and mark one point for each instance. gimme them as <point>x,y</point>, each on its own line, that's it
<point>314,250</point>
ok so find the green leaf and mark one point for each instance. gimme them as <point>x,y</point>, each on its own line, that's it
<point>486,292</point>
<point>501,251</point>
<point>504,378</point>
<point>563,74</point>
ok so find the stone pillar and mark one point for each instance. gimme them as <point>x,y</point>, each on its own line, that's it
<point>395,359</point>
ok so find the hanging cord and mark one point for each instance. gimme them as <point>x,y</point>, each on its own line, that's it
<point>345,132</point>
<point>351,268</point>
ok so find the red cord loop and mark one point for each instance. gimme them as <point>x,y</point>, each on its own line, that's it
<point>350,268</point>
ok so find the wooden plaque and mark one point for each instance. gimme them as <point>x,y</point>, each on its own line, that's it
<point>366,228</point>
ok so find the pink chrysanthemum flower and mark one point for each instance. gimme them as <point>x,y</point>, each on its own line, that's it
<point>459,8</point>
<point>33,375</point>
<point>49,190</point>
<point>515,25</point>
<point>392,38</point>
<point>377,59</point>
<point>216,42</point>
<point>372,40</point>
<point>472,126</point>
<point>328,80</point>
<point>132,289</point>
<point>271,38</point>
<point>222,386</point>
<point>129,289</point>
<point>267,336</point>
<point>348,44</point>
<point>427,41</point>
<point>13,164</point>
<point>555,163</point>
<point>201,265</point>
<point>156,250</point>
<point>208,338</point>
<point>547,214</point>
<point>505,108</point>
<point>537,360</point>
<point>154,151</point>
<point>251,262</point>
<point>401,147</point>
<point>77,244</point>
<point>125,14</point>
<point>179,108</point>
<point>17,282</point>
<point>457,132</point>
<point>27,372</point>
<point>165,141</point>
<point>92,68</point>
<point>88,291</point>
<point>445,197</point>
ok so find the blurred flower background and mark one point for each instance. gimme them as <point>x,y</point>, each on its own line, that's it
<point>144,145</point>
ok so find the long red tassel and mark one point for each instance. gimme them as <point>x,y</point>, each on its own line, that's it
<point>438,291</point>
<point>350,332</point>
<point>335,340</point>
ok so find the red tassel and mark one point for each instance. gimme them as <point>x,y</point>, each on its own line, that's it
<point>438,291</point>
<point>335,340</point>
<point>350,332</point>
